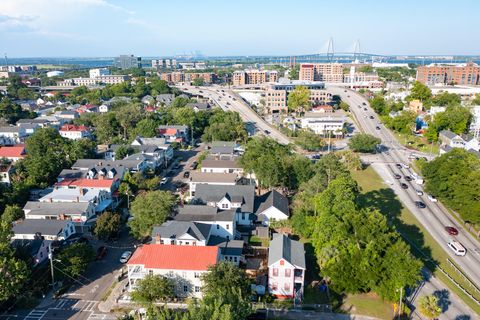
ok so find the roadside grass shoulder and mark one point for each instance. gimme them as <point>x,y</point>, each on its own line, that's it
<point>374,193</point>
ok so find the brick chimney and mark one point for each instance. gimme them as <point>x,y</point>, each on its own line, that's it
<point>157,238</point>
<point>82,191</point>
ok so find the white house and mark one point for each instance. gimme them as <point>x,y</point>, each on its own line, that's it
<point>186,233</point>
<point>73,132</point>
<point>216,164</point>
<point>103,108</point>
<point>184,265</point>
<point>286,267</point>
<point>324,123</point>
<point>272,206</point>
<point>100,198</point>
<point>10,135</point>
<point>36,248</point>
<point>160,143</point>
<point>77,211</point>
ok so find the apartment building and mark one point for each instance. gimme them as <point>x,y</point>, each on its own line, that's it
<point>105,79</point>
<point>127,62</point>
<point>254,76</point>
<point>98,72</point>
<point>176,77</point>
<point>464,74</point>
<point>276,95</point>
<point>326,72</point>
<point>164,64</point>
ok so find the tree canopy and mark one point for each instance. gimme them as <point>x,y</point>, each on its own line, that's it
<point>363,142</point>
<point>429,306</point>
<point>107,225</point>
<point>421,92</point>
<point>153,288</point>
<point>455,118</point>
<point>148,209</point>
<point>299,99</point>
<point>454,178</point>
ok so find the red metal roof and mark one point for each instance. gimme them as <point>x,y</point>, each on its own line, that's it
<point>173,257</point>
<point>168,131</point>
<point>86,183</point>
<point>17,151</point>
<point>72,127</point>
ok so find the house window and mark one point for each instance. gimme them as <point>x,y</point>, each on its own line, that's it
<point>288,273</point>
<point>286,287</point>
<point>187,243</point>
<point>224,205</point>
<point>274,286</point>
<point>243,215</point>
<point>196,274</point>
<point>185,288</point>
<point>218,226</point>
<point>150,272</point>
<point>228,226</point>
<point>282,262</point>
<point>161,241</point>
<point>184,274</point>
<point>235,259</point>
<point>275,272</point>
<point>197,289</point>
<point>172,241</point>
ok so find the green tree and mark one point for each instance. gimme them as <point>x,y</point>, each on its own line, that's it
<point>476,100</point>
<point>82,149</point>
<point>12,213</point>
<point>149,209</point>
<point>128,116</point>
<point>124,151</point>
<point>404,122</point>
<point>74,260</point>
<point>107,127</point>
<point>179,102</point>
<point>351,160</point>
<point>379,105</point>
<point>420,92</point>
<point>363,142</point>
<point>344,106</point>
<point>153,288</point>
<point>455,118</point>
<point>429,307</point>
<point>13,271</point>
<point>309,141</point>
<point>294,72</point>
<point>107,225</point>
<point>225,126</point>
<point>299,99</point>
<point>198,81</point>
<point>146,128</point>
<point>446,99</point>
<point>455,179</point>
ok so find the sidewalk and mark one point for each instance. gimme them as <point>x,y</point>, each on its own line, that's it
<point>111,302</point>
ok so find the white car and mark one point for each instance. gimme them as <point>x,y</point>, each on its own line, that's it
<point>457,248</point>
<point>164,181</point>
<point>125,256</point>
<point>419,192</point>
<point>432,198</point>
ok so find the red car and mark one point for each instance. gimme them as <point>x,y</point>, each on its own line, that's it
<point>451,231</point>
<point>101,252</point>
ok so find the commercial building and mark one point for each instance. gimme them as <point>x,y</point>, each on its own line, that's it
<point>127,61</point>
<point>254,76</point>
<point>106,79</point>
<point>276,95</point>
<point>176,77</point>
<point>164,64</point>
<point>98,72</point>
<point>324,123</point>
<point>465,73</point>
<point>326,72</point>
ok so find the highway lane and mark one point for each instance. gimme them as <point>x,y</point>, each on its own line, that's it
<point>434,217</point>
<point>230,101</point>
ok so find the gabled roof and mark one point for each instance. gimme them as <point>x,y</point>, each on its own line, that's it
<point>43,226</point>
<point>171,257</point>
<point>35,208</point>
<point>173,229</point>
<point>212,177</point>
<point>449,134</point>
<point>204,213</point>
<point>231,247</point>
<point>236,193</point>
<point>271,199</point>
<point>282,247</point>
<point>17,151</point>
<point>168,131</point>
<point>86,183</point>
<point>222,147</point>
<point>10,129</point>
<point>220,163</point>
<point>72,127</point>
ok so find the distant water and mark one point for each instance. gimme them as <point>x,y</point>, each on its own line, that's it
<point>108,61</point>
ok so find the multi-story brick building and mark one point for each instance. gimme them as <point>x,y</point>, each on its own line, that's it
<point>176,77</point>
<point>276,95</point>
<point>326,72</point>
<point>466,74</point>
<point>254,76</point>
<point>164,64</point>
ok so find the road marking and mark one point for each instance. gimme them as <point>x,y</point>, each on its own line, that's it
<point>35,314</point>
<point>61,303</point>
<point>89,306</point>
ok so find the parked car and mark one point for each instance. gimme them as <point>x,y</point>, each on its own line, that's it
<point>371,117</point>
<point>266,131</point>
<point>194,165</point>
<point>432,198</point>
<point>101,253</point>
<point>186,174</point>
<point>406,166</point>
<point>408,178</point>
<point>176,165</point>
<point>419,192</point>
<point>364,103</point>
<point>397,176</point>
<point>365,109</point>
<point>125,256</point>
<point>404,186</point>
<point>377,127</point>
<point>420,204</point>
<point>398,165</point>
<point>164,180</point>
<point>451,231</point>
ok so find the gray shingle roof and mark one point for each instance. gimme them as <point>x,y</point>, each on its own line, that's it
<point>55,208</point>
<point>222,147</point>
<point>271,199</point>
<point>90,163</point>
<point>203,213</point>
<point>231,248</point>
<point>212,177</point>
<point>237,193</point>
<point>43,226</point>
<point>173,229</point>
<point>10,129</point>
<point>282,247</point>
<point>448,134</point>
<point>212,163</point>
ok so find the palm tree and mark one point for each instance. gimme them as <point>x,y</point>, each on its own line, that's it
<point>429,307</point>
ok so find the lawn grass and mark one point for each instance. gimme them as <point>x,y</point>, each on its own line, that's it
<point>376,194</point>
<point>368,304</point>
<point>259,242</point>
<point>418,143</point>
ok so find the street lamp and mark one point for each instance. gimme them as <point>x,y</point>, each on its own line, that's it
<point>50,256</point>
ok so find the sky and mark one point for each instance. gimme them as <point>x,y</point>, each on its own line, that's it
<point>105,28</point>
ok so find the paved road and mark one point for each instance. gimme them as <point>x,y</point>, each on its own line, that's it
<point>435,217</point>
<point>230,101</point>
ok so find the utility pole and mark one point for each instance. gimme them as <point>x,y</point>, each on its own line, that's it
<point>400,309</point>
<point>50,256</point>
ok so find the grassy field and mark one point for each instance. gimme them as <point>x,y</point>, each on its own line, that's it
<point>368,304</point>
<point>376,194</point>
<point>417,143</point>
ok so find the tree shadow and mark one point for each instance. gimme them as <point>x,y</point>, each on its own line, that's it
<point>387,203</point>
<point>463,317</point>
<point>443,297</point>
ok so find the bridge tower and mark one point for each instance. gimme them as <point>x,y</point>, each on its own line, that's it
<point>330,50</point>
<point>356,51</point>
